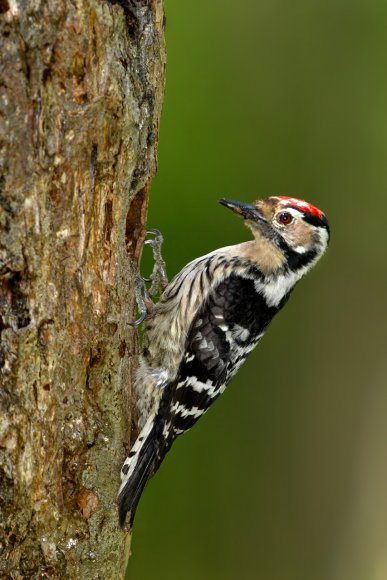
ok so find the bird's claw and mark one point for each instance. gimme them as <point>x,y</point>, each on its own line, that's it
<point>158,279</point>
<point>141,295</point>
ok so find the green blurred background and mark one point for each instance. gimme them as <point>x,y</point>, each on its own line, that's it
<point>286,477</point>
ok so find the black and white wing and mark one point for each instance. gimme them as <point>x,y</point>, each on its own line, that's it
<point>224,331</point>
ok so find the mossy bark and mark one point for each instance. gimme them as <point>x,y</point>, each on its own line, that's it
<point>81,88</point>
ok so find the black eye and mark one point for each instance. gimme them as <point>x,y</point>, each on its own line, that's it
<point>285,218</point>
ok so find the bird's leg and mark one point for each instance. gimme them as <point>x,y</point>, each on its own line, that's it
<point>158,279</point>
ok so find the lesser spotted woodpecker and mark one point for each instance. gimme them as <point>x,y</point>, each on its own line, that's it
<point>208,319</point>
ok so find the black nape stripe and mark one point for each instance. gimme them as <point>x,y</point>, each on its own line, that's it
<point>316,221</point>
<point>296,261</point>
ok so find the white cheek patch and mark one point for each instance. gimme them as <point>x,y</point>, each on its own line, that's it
<point>323,233</point>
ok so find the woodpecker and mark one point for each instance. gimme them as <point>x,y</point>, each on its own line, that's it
<point>208,319</point>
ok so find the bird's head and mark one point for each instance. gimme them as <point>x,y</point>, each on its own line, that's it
<point>297,228</point>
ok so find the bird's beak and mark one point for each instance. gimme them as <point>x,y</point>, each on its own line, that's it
<point>246,210</point>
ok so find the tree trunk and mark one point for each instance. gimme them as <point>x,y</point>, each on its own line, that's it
<point>81,88</point>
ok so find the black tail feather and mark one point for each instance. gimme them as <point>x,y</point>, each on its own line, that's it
<point>130,495</point>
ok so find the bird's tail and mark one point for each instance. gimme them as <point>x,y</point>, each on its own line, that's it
<point>138,467</point>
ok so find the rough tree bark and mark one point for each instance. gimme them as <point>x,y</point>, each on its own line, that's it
<point>81,88</point>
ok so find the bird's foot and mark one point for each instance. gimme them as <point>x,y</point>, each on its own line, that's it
<point>158,279</point>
